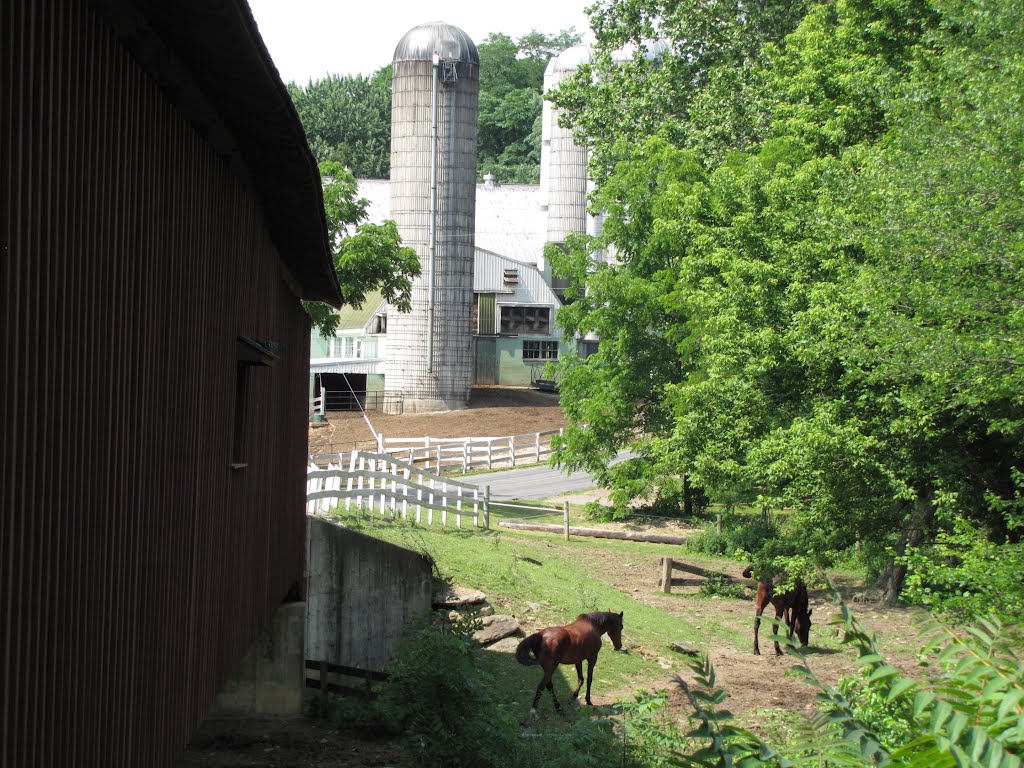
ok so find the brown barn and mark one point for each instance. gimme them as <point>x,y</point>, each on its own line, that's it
<point>161,218</point>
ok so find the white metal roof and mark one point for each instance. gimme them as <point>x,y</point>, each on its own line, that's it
<point>509,217</point>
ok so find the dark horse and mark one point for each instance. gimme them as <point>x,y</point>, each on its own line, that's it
<point>571,644</point>
<point>790,606</point>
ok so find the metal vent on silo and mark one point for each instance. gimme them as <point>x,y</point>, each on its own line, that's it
<point>435,90</point>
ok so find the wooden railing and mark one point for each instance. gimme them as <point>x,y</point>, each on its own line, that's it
<point>391,486</point>
<point>469,453</point>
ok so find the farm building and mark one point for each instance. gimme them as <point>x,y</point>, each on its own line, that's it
<point>510,317</point>
<point>162,218</point>
<point>514,334</point>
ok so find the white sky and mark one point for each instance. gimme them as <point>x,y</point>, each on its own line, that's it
<point>309,39</point>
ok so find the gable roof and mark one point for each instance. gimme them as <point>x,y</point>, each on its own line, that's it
<point>350,318</point>
<point>211,62</point>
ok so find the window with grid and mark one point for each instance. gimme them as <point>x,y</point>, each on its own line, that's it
<point>540,350</point>
<point>517,319</point>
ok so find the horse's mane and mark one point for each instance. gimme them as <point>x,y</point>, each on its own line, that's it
<point>598,618</point>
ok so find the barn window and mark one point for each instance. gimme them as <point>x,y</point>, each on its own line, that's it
<point>540,350</point>
<point>518,319</point>
<point>249,353</point>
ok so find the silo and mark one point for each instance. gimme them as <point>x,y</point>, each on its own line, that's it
<point>563,168</point>
<point>435,89</point>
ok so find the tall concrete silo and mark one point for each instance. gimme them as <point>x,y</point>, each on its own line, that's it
<point>563,162</point>
<point>435,89</point>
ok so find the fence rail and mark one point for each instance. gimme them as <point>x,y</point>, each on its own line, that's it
<point>391,486</point>
<point>470,453</point>
<point>344,674</point>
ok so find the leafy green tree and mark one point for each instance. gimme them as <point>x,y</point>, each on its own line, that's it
<point>347,119</point>
<point>367,257</point>
<point>511,103</point>
<point>828,285</point>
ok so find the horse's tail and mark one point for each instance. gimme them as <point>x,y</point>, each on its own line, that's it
<point>526,647</point>
<point>748,571</point>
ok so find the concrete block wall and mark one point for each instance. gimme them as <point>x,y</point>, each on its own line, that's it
<point>362,594</point>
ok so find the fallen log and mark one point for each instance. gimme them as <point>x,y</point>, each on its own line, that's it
<point>599,533</point>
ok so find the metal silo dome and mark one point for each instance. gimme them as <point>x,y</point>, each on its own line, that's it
<point>570,59</point>
<point>450,43</point>
<point>653,50</point>
<point>435,88</point>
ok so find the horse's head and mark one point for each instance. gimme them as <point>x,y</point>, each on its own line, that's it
<point>802,625</point>
<point>613,626</point>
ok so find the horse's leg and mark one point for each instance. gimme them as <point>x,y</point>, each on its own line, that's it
<point>551,687</point>
<point>579,680</point>
<point>545,682</point>
<point>779,613</point>
<point>757,628</point>
<point>590,677</point>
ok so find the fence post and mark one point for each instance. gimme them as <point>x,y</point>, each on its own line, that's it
<point>666,574</point>
<point>512,450</point>
<point>537,444</point>
<point>487,507</point>
<point>565,517</point>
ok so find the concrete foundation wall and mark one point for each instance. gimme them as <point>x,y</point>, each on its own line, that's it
<point>362,594</point>
<point>269,680</point>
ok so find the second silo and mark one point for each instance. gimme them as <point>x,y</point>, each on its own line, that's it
<point>435,89</point>
<point>563,166</point>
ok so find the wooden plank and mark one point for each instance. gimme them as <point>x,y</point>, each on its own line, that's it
<point>600,533</point>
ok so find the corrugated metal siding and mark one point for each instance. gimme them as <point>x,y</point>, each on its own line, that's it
<point>135,565</point>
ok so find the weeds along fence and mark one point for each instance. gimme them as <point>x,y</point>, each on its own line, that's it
<point>384,483</point>
<point>470,453</point>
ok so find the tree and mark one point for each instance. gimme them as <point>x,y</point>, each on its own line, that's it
<point>347,119</point>
<point>511,103</point>
<point>832,280</point>
<point>367,257</point>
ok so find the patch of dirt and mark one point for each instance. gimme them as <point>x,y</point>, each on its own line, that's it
<point>755,685</point>
<point>284,743</point>
<point>492,412</point>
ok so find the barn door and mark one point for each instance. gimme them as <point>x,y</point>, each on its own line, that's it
<point>485,360</point>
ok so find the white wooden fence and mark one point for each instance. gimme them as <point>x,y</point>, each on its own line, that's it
<point>393,487</point>
<point>469,453</point>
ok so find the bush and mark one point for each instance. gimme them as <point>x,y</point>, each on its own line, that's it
<point>437,698</point>
<point>440,699</point>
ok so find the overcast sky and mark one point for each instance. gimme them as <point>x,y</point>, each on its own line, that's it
<point>309,39</point>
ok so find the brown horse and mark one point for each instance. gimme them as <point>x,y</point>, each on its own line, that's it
<point>572,644</point>
<point>790,606</point>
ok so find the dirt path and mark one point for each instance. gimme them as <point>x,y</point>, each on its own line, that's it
<point>756,684</point>
<point>492,412</point>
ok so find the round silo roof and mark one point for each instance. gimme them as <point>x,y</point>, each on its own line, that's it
<point>450,42</point>
<point>653,50</point>
<point>570,59</point>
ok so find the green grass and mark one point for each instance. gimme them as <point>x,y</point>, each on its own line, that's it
<point>555,593</point>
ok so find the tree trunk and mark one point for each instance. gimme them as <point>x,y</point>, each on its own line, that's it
<point>890,582</point>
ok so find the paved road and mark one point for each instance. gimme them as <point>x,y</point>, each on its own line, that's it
<point>537,482</point>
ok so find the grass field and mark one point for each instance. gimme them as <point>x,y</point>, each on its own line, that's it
<point>586,574</point>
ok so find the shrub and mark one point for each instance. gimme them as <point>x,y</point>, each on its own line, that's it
<point>969,715</point>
